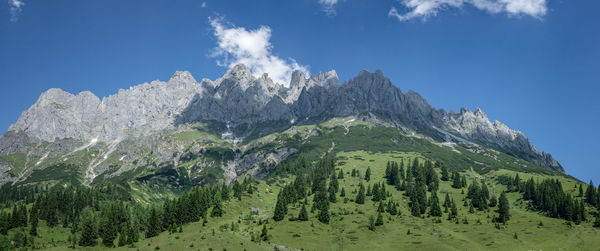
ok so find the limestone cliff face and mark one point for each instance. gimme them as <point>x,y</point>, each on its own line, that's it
<point>253,105</point>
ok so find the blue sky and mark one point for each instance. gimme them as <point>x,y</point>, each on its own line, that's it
<point>532,64</point>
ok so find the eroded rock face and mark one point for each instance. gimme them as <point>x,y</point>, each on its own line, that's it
<point>253,105</point>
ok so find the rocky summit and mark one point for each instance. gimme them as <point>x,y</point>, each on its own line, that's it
<point>237,106</point>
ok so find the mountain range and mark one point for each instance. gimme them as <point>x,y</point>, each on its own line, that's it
<point>144,125</point>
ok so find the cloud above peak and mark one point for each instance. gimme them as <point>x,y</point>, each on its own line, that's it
<point>329,6</point>
<point>237,45</point>
<point>15,7</point>
<point>424,9</point>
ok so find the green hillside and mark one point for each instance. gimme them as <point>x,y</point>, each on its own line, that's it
<point>183,206</point>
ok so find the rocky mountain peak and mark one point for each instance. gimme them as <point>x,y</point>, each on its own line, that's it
<point>182,77</point>
<point>239,73</point>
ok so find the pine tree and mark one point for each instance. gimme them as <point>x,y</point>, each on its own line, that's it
<point>341,174</point>
<point>380,208</point>
<point>323,215</point>
<point>360,197</point>
<point>434,207</point>
<point>444,173</point>
<point>89,232</point>
<point>153,228</point>
<point>303,216</point>
<point>368,174</point>
<point>122,239</point>
<point>217,210</point>
<point>456,182</point>
<point>493,201</point>
<point>379,220</point>
<point>280,209</point>
<point>34,223</point>
<point>580,191</point>
<point>237,190</point>
<point>371,223</point>
<point>264,235</point>
<point>453,210</point>
<point>332,197</point>
<point>590,194</point>
<point>343,193</point>
<point>503,208</point>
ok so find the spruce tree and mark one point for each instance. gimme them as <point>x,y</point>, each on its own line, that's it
<point>303,215</point>
<point>217,210</point>
<point>371,223</point>
<point>89,232</point>
<point>444,173</point>
<point>379,220</point>
<point>493,201</point>
<point>153,228</point>
<point>360,197</point>
<point>343,193</point>
<point>434,207</point>
<point>280,209</point>
<point>503,208</point>
<point>264,235</point>
<point>456,182</point>
<point>590,194</point>
<point>323,215</point>
<point>332,197</point>
<point>368,174</point>
<point>34,223</point>
<point>380,208</point>
<point>341,174</point>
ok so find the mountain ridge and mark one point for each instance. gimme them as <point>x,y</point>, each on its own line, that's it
<point>244,105</point>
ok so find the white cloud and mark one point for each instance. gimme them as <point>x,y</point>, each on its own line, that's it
<point>329,6</point>
<point>15,6</point>
<point>203,5</point>
<point>236,45</point>
<point>426,8</point>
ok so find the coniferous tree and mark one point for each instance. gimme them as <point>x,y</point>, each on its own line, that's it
<point>447,203</point>
<point>453,210</point>
<point>264,235</point>
<point>371,223</point>
<point>380,208</point>
<point>456,182</point>
<point>379,220</point>
<point>580,191</point>
<point>493,201</point>
<point>34,223</point>
<point>280,209</point>
<point>590,194</point>
<point>89,230</point>
<point>217,210</point>
<point>503,208</point>
<point>153,228</point>
<point>332,197</point>
<point>237,190</point>
<point>360,197</point>
<point>323,215</point>
<point>445,173</point>
<point>597,221</point>
<point>343,193</point>
<point>341,174</point>
<point>368,174</point>
<point>303,216</point>
<point>434,207</point>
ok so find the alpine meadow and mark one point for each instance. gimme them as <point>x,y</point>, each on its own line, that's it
<point>256,152</point>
